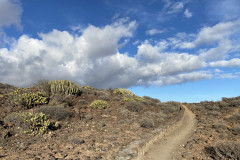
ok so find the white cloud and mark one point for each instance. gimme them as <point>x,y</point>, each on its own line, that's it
<point>154,31</point>
<point>235,62</point>
<point>10,13</point>
<point>187,13</point>
<point>93,58</point>
<point>214,34</point>
<point>176,7</point>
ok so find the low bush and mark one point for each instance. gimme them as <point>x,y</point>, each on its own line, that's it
<point>44,86</point>
<point>154,100</point>
<point>134,106</point>
<point>31,123</point>
<point>224,150</point>
<point>100,104</point>
<point>27,98</point>
<point>147,123</point>
<point>104,97</point>
<point>236,129</point>
<point>171,107</point>
<point>55,112</point>
<point>122,91</point>
<point>212,107</point>
<point>235,118</point>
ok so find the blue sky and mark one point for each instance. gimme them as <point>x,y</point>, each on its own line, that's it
<point>185,50</point>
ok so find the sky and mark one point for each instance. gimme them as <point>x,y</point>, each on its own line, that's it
<point>173,50</point>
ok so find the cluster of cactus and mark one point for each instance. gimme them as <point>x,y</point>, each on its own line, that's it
<point>27,98</point>
<point>34,123</point>
<point>64,87</point>
<point>122,91</point>
<point>100,104</point>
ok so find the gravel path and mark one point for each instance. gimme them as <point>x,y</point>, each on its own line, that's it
<point>164,149</point>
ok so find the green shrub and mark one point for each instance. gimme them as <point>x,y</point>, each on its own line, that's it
<point>224,150</point>
<point>134,106</point>
<point>147,123</point>
<point>100,104</point>
<point>55,112</point>
<point>122,91</point>
<point>64,87</point>
<point>27,98</point>
<point>128,99</point>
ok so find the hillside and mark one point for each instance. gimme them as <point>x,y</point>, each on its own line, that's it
<point>61,120</point>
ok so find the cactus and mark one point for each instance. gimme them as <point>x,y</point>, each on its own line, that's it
<point>64,87</point>
<point>100,104</point>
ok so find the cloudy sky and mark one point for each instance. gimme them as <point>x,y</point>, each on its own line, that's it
<point>183,50</point>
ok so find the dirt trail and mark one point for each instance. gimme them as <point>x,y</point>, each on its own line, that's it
<point>164,149</point>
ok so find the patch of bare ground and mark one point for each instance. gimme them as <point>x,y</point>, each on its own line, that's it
<point>60,120</point>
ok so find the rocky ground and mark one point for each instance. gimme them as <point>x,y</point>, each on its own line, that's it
<point>218,131</point>
<point>72,127</point>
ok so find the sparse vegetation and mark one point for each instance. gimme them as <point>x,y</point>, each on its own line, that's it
<point>147,123</point>
<point>100,104</point>
<point>30,123</point>
<point>134,106</point>
<point>55,112</point>
<point>27,98</point>
<point>224,150</point>
<point>122,91</point>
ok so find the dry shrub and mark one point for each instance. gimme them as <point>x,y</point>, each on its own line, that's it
<point>171,107</point>
<point>224,151</point>
<point>55,112</point>
<point>235,118</point>
<point>134,106</point>
<point>147,123</point>
<point>236,129</point>
<point>212,107</point>
<point>104,97</point>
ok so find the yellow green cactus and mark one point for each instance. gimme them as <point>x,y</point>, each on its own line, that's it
<point>123,91</point>
<point>27,98</point>
<point>64,87</point>
<point>100,104</point>
<point>34,123</point>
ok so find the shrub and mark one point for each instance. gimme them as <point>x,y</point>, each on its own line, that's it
<point>100,104</point>
<point>171,107</point>
<point>122,91</point>
<point>236,129</point>
<point>64,87</point>
<point>104,97</point>
<point>30,123</point>
<point>134,106</point>
<point>128,99</point>
<point>154,100</point>
<point>25,97</point>
<point>222,104</point>
<point>224,150</point>
<point>55,112</point>
<point>147,123</point>
<point>212,107</point>
<point>234,103</point>
<point>235,118</point>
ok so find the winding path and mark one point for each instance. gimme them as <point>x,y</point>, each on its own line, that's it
<point>164,149</point>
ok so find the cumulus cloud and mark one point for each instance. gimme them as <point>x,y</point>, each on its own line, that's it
<point>154,31</point>
<point>235,62</point>
<point>10,13</point>
<point>187,13</point>
<point>93,58</point>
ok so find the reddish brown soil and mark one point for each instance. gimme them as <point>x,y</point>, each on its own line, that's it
<point>90,134</point>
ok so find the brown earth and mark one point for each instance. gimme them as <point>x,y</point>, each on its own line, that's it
<point>89,133</point>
